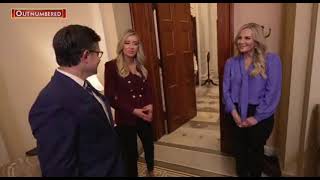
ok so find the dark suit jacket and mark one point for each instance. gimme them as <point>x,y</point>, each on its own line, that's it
<point>74,137</point>
<point>126,94</point>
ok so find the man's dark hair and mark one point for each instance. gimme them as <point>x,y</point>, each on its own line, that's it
<point>70,42</point>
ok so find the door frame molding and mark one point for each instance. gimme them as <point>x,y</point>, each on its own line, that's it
<point>225,33</point>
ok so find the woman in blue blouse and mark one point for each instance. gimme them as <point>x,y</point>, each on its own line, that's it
<point>251,93</point>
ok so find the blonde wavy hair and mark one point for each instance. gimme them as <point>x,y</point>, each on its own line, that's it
<point>260,48</point>
<point>123,69</point>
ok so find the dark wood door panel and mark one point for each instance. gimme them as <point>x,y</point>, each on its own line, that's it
<point>166,11</point>
<point>174,23</point>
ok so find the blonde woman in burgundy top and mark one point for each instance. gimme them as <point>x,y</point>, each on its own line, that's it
<point>127,87</point>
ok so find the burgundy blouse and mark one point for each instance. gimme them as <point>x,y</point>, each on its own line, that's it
<point>126,94</point>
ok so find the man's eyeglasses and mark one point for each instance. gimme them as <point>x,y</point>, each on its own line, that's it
<point>100,53</point>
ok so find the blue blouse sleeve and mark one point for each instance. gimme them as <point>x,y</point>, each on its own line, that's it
<point>270,100</point>
<point>229,106</point>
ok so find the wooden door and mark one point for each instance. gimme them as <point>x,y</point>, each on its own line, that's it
<point>175,39</point>
<point>225,50</point>
<point>143,24</point>
<point>142,19</point>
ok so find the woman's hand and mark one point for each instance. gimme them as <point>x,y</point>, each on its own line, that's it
<point>236,118</point>
<point>143,114</point>
<point>250,121</point>
<point>148,109</point>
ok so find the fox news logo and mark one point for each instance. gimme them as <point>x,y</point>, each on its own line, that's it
<point>38,13</point>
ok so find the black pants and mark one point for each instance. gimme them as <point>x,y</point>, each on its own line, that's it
<point>145,133</point>
<point>249,144</point>
<point>128,141</point>
<point>128,138</point>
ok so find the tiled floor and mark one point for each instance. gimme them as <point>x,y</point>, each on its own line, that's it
<point>160,171</point>
<point>203,130</point>
<point>196,144</point>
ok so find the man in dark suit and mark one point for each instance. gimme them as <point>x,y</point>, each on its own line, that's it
<point>71,120</point>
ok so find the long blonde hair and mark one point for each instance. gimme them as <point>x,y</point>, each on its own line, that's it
<point>123,69</point>
<point>260,48</point>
